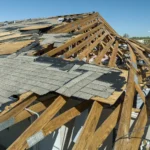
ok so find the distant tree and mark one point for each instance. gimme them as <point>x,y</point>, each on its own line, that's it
<point>126,35</point>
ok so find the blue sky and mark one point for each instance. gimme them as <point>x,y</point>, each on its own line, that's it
<point>125,16</point>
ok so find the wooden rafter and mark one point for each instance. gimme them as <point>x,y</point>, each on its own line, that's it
<point>62,119</point>
<point>37,125</point>
<point>82,44</point>
<point>124,123</point>
<point>112,61</point>
<point>73,41</point>
<point>104,51</point>
<point>12,113</point>
<point>75,24</point>
<point>135,137</point>
<point>90,48</point>
<point>89,126</point>
<point>104,130</point>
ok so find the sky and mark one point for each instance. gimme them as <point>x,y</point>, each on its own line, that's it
<point>125,16</point>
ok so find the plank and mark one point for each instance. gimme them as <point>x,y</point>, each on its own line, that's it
<point>141,45</point>
<point>124,123</point>
<point>13,36</point>
<point>9,48</point>
<point>43,103</point>
<point>87,27</point>
<point>141,93</point>
<point>108,26</point>
<point>66,117</point>
<point>133,61</point>
<point>82,44</point>
<point>140,54</point>
<point>39,107</point>
<point>35,27</point>
<point>26,102</point>
<point>138,130</point>
<point>104,51</point>
<point>92,45</point>
<point>104,130</point>
<point>73,41</point>
<point>12,105</point>
<point>112,61</point>
<point>61,28</point>
<point>89,126</point>
<point>37,125</point>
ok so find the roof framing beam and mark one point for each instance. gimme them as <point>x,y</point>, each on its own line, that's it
<point>89,126</point>
<point>36,126</point>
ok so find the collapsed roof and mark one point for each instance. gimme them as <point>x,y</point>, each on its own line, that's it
<point>52,60</point>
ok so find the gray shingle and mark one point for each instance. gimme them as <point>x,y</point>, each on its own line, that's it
<point>6,93</point>
<point>23,74</point>
<point>83,95</point>
<point>103,94</point>
<point>78,79</point>
<point>70,91</point>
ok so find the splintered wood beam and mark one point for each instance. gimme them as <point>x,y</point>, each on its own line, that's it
<point>124,123</point>
<point>137,133</point>
<point>7,119</point>
<point>92,45</point>
<point>112,61</point>
<point>73,41</point>
<point>89,126</point>
<point>66,117</point>
<point>104,51</point>
<point>82,44</point>
<point>37,125</point>
<point>104,130</point>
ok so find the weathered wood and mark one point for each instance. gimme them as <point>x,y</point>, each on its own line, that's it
<point>112,61</point>
<point>104,130</point>
<point>82,44</point>
<point>141,45</point>
<point>92,45</point>
<point>37,125</point>
<point>138,131</point>
<point>62,28</point>
<point>12,105</point>
<point>87,28</point>
<point>103,52</point>
<point>89,126</point>
<point>74,40</point>
<point>139,90</point>
<point>12,113</point>
<point>43,103</point>
<point>140,54</point>
<point>66,117</point>
<point>124,123</point>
